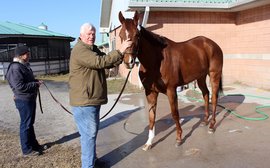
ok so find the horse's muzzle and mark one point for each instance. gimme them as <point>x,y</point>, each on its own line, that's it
<point>130,63</point>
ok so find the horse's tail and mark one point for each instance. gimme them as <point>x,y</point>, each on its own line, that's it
<point>220,88</point>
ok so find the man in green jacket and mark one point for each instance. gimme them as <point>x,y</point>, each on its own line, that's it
<point>88,87</point>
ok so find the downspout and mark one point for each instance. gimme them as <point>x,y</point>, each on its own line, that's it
<point>144,22</point>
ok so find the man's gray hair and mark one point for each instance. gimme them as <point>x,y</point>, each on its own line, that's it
<point>87,26</point>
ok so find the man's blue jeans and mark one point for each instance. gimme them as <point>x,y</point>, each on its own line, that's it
<point>27,110</point>
<point>87,121</point>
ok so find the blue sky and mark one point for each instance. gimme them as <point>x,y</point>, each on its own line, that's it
<point>61,16</point>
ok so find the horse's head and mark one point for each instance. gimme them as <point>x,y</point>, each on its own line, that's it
<point>129,31</point>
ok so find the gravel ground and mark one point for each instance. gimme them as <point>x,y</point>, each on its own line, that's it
<point>55,127</point>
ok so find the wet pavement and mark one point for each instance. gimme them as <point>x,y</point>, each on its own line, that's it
<point>236,142</point>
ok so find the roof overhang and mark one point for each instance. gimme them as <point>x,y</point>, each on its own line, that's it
<point>104,26</point>
<point>5,36</point>
<point>192,6</point>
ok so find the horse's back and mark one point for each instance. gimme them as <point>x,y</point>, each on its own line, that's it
<point>192,59</point>
<point>202,42</point>
<point>201,49</point>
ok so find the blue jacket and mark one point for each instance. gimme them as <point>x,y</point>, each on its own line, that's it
<point>22,81</point>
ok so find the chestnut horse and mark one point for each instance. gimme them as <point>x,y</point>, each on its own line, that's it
<point>166,64</point>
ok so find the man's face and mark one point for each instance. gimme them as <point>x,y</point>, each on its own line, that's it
<point>88,37</point>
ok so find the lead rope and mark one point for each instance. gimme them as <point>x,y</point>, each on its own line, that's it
<point>122,90</point>
<point>56,100</point>
<point>39,98</point>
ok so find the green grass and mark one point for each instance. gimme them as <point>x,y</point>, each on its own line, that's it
<point>3,82</point>
<point>54,77</point>
<point>114,85</point>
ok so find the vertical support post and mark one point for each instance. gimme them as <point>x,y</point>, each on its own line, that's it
<point>145,16</point>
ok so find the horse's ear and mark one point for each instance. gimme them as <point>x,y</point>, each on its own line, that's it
<point>136,18</point>
<point>121,17</point>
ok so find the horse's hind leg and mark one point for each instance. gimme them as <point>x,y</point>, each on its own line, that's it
<point>152,104</point>
<point>215,78</point>
<point>175,114</point>
<point>205,92</point>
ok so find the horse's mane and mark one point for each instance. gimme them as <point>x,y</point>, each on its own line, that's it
<point>153,38</point>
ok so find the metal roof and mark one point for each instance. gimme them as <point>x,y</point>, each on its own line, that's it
<point>21,30</point>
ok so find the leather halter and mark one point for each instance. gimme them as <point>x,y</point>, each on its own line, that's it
<point>134,53</point>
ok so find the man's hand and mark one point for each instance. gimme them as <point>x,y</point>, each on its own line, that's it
<point>126,44</point>
<point>40,82</point>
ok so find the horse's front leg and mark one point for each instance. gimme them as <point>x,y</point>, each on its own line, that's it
<point>152,104</point>
<point>171,93</point>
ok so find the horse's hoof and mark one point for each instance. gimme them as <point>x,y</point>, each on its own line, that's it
<point>211,130</point>
<point>178,143</point>
<point>146,147</point>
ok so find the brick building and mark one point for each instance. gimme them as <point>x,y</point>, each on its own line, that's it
<point>240,27</point>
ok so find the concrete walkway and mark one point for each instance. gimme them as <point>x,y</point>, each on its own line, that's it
<point>236,143</point>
